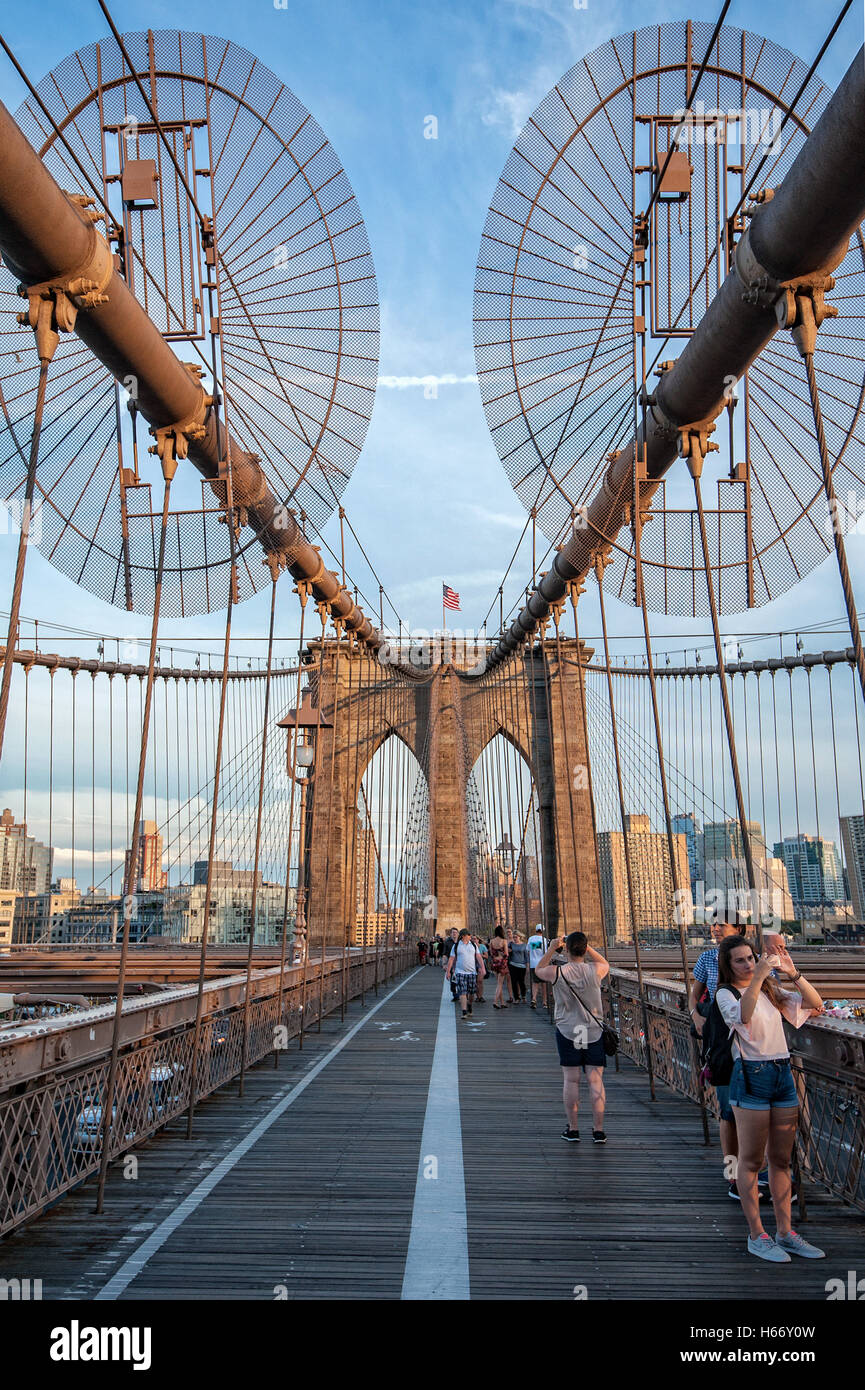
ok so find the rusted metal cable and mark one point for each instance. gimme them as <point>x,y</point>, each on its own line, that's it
<point>132,870</point>
<point>23,537</point>
<point>257,852</point>
<point>835,519</point>
<point>629,874</point>
<point>724,692</point>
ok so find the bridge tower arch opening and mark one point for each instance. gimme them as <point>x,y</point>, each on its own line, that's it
<point>505,843</point>
<point>388,871</point>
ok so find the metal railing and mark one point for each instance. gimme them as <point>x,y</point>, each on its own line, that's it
<point>51,1122</point>
<point>827,1057</point>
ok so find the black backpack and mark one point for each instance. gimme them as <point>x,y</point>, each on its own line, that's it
<point>716,1053</point>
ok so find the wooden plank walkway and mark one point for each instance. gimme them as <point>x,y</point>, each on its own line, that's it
<point>320,1206</point>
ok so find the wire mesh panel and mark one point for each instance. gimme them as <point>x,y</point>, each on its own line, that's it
<point>831,1126</point>
<point>282,307</point>
<point>572,284</point>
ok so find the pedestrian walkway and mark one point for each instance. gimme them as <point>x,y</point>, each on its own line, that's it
<point>350,1172</point>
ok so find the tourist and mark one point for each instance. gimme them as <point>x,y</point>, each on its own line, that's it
<point>518,959</point>
<point>762,1089</point>
<point>464,968</point>
<point>450,945</point>
<point>499,965</point>
<point>536,946</point>
<point>702,994</point>
<point>421,952</point>
<point>576,979</point>
<point>483,951</point>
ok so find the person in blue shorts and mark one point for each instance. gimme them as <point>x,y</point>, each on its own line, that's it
<point>702,993</point>
<point>763,1091</point>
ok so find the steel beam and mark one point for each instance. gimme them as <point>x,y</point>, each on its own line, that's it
<point>798,237</point>
<point>48,241</point>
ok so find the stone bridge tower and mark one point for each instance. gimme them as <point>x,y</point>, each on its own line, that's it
<point>446,717</point>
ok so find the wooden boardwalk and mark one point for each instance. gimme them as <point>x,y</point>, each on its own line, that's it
<point>320,1203</point>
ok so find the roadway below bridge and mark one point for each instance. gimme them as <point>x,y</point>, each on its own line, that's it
<point>405,1153</point>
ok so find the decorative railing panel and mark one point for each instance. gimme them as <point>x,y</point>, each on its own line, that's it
<point>51,1124</point>
<point>828,1060</point>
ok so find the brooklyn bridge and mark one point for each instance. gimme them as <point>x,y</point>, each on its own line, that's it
<point>232,872</point>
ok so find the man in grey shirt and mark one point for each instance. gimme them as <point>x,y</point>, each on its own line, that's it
<point>576,979</point>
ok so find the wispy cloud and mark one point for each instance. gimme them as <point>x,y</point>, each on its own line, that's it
<point>403,383</point>
<point>509,109</point>
<point>510,519</point>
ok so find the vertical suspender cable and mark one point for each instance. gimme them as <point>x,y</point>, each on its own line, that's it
<point>254,902</point>
<point>217,769</point>
<point>107,1098</point>
<point>23,536</point>
<point>629,877</point>
<point>665,795</point>
<point>834,510</point>
<point>695,464</point>
<point>581,670</point>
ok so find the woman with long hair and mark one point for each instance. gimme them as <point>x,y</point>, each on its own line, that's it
<point>762,1090</point>
<point>499,965</point>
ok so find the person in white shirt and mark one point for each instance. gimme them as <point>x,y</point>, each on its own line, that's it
<point>464,967</point>
<point>536,947</point>
<point>762,1090</point>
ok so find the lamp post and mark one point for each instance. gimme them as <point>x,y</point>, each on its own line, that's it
<point>506,848</point>
<point>303,725</point>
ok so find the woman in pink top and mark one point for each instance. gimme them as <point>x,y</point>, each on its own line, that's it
<point>762,1090</point>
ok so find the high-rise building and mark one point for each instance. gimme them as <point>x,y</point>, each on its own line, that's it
<point>25,863</point>
<point>39,917</point>
<point>686,825</point>
<point>230,906</point>
<point>649,855</point>
<point>367,868</point>
<point>379,927</point>
<point>150,876</point>
<point>853,841</point>
<point>7,917</point>
<point>814,870</point>
<point>723,840</point>
<point>729,877</point>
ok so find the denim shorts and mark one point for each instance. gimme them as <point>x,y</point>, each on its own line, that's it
<point>723,1094</point>
<point>763,1085</point>
<point>572,1056</point>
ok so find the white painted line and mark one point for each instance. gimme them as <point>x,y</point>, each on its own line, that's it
<point>437,1263</point>
<point>136,1262</point>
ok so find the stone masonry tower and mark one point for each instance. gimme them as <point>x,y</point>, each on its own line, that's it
<point>446,717</point>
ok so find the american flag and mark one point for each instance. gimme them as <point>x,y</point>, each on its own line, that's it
<point>450,598</point>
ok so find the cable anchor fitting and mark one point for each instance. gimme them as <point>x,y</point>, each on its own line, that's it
<point>803,310</point>
<point>172,441</point>
<point>693,444</point>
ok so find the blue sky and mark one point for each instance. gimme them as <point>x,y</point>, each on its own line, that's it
<point>428,497</point>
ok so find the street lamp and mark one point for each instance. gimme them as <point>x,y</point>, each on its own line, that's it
<point>503,850</point>
<point>303,725</point>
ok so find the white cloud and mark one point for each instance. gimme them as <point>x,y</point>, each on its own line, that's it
<point>510,519</point>
<point>509,109</point>
<point>402,383</point>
